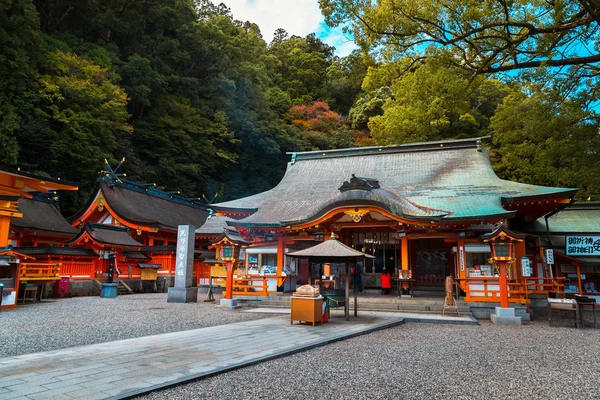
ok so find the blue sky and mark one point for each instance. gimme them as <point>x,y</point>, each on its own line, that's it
<point>297,17</point>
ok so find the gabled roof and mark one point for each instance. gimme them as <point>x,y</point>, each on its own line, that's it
<point>436,181</point>
<point>214,226</point>
<point>115,236</point>
<point>579,217</point>
<point>143,205</point>
<point>231,236</point>
<point>41,215</point>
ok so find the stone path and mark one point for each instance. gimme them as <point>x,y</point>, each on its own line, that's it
<point>129,367</point>
<point>407,317</point>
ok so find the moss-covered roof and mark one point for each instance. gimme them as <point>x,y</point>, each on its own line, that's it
<point>448,180</point>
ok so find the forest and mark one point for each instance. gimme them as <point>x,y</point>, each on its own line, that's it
<point>200,102</point>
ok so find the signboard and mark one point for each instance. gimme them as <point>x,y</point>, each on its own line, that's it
<point>461,255</point>
<point>549,256</point>
<point>582,245</point>
<point>526,267</point>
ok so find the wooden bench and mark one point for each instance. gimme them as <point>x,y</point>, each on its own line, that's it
<point>569,305</point>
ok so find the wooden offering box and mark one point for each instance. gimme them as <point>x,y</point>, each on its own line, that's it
<point>306,309</point>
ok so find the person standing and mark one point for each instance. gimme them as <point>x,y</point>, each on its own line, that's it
<point>357,275</point>
<point>386,282</point>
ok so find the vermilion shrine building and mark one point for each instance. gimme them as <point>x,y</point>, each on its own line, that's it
<point>135,222</point>
<point>418,207</point>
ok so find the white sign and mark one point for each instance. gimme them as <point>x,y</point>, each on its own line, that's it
<point>549,256</point>
<point>461,255</point>
<point>526,266</point>
<point>582,245</point>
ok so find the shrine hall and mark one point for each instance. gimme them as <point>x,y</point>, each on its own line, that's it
<point>418,209</point>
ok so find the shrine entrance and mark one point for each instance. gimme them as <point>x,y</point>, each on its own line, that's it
<point>432,262</point>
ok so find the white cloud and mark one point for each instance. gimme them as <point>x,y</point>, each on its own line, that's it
<point>297,17</point>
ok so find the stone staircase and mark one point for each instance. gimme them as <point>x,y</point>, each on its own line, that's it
<point>122,287</point>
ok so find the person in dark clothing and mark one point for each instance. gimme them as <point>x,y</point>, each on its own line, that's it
<point>386,282</point>
<point>357,277</point>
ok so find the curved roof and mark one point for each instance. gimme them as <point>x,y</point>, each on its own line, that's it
<point>146,206</point>
<point>117,236</point>
<point>42,215</point>
<point>447,180</point>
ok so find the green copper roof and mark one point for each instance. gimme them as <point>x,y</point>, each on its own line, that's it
<point>581,217</point>
<point>450,180</point>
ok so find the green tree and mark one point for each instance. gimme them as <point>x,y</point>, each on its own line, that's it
<point>19,39</point>
<point>542,139</point>
<point>435,103</point>
<point>481,37</point>
<point>302,68</point>
<point>81,109</point>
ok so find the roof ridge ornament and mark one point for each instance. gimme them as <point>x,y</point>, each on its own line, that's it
<point>358,183</point>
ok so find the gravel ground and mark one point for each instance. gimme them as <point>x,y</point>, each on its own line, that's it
<point>423,361</point>
<point>60,323</point>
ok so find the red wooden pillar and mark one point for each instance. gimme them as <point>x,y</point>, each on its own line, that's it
<point>229,281</point>
<point>503,285</point>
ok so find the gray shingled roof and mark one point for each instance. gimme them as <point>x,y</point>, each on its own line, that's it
<point>42,216</point>
<point>149,207</point>
<point>330,248</point>
<point>450,180</point>
<point>214,226</point>
<point>108,234</point>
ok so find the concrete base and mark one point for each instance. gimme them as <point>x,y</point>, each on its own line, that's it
<point>185,295</point>
<point>229,303</point>
<point>109,290</point>
<point>505,316</point>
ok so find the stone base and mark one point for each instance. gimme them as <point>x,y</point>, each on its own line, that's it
<point>505,316</point>
<point>185,295</point>
<point>229,303</point>
<point>109,290</point>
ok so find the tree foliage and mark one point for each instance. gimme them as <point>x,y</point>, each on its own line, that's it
<point>480,37</point>
<point>197,101</point>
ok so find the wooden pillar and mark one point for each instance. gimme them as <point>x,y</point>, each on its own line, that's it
<point>280,255</point>
<point>404,257</point>
<point>503,285</point>
<point>229,281</point>
<point>520,252</point>
<point>461,258</point>
<point>404,251</point>
<point>578,269</point>
<point>4,229</point>
<point>150,240</point>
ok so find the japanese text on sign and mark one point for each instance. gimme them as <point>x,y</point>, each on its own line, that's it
<point>582,245</point>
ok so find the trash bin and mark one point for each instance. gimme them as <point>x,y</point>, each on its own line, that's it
<point>62,287</point>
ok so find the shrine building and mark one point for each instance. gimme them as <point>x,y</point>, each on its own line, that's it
<point>419,209</point>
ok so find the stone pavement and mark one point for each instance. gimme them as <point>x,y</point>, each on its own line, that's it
<point>407,317</point>
<point>130,367</point>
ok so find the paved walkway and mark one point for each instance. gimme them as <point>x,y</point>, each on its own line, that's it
<point>407,317</point>
<point>128,367</point>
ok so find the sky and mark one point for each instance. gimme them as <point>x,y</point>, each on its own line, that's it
<point>297,17</point>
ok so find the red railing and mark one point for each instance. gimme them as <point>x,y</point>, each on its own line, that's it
<point>488,289</point>
<point>77,269</point>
